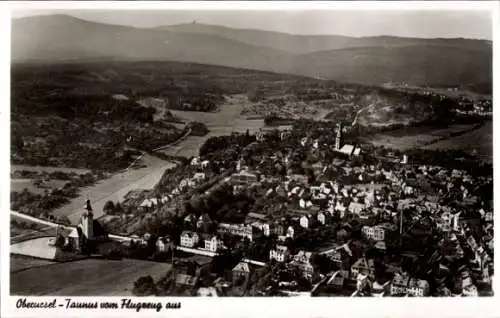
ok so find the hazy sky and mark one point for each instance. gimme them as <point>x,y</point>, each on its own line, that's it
<point>428,24</point>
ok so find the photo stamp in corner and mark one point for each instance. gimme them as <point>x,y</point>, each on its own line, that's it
<point>331,152</point>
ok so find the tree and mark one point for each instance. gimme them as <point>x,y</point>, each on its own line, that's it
<point>144,286</point>
<point>108,207</point>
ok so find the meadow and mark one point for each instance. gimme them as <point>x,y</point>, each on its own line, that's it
<point>88,277</point>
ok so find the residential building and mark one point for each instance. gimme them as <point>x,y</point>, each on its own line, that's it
<point>376,232</point>
<point>212,244</point>
<point>364,266</point>
<point>241,271</point>
<point>189,238</point>
<point>290,232</point>
<point>241,230</point>
<point>402,284</point>
<point>280,253</point>
<point>321,218</point>
<point>306,221</point>
<point>163,244</point>
<point>356,207</point>
<point>303,261</point>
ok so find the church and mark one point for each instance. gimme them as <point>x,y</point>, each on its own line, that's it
<point>86,235</point>
<point>344,148</point>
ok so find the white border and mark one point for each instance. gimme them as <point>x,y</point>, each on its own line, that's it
<point>246,307</point>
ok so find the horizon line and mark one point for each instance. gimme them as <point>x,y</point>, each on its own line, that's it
<point>195,22</point>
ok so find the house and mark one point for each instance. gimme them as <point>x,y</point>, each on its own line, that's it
<point>241,230</point>
<point>364,266</point>
<point>306,221</point>
<point>213,244</point>
<point>356,207</point>
<point>163,244</point>
<point>189,238</point>
<point>321,218</point>
<point>303,261</point>
<point>402,284</point>
<point>203,221</point>
<point>290,232</point>
<point>376,232</point>
<point>280,253</point>
<point>241,271</point>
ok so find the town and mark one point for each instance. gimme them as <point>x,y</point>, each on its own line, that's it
<point>301,212</point>
<point>207,160</point>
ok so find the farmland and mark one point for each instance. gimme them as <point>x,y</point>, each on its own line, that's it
<point>406,138</point>
<point>85,277</point>
<point>478,142</point>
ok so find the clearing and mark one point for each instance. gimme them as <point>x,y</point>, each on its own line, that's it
<point>406,138</point>
<point>88,277</point>
<point>478,142</point>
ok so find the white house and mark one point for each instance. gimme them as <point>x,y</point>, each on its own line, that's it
<point>376,232</point>
<point>280,253</point>
<point>212,244</point>
<point>290,232</point>
<point>305,221</point>
<point>321,218</point>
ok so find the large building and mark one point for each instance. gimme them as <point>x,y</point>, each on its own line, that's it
<point>346,149</point>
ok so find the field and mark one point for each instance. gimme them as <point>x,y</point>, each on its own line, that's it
<point>226,120</point>
<point>38,247</point>
<point>406,138</point>
<point>21,230</point>
<point>478,142</point>
<point>14,168</point>
<point>19,185</point>
<point>115,188</point>
<point>89,277</point>
<point>20,262</point>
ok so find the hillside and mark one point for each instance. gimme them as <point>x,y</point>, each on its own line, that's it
<point>373,60</point>
<point>303,44</point>
<point>413,65</point>
<point>64,38</point>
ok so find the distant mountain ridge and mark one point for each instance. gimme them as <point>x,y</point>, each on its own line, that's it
<point>370,60</point>
<point>302,44</point>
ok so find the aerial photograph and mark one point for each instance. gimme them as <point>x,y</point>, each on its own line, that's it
<point>316,153</point>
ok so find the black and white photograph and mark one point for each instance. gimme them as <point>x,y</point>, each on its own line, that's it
<point>342,152</point>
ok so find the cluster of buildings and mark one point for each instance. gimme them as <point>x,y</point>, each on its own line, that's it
<point>374,205</point>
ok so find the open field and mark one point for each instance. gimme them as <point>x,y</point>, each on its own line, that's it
<point>403,139</point>
<point>226,120</point>
<point>21,230</point>
<point>478,142</point>
<point>21,262</point>
<point>14,168</point>
<point>85,277</point>
<point>19,185</point>
<point>115,188</point>
<point>38,247</point>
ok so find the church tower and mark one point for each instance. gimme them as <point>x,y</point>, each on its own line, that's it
<point>338,136</point>
<point>87,222</point>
